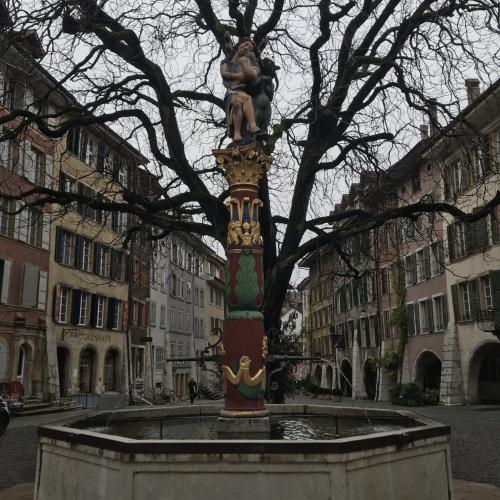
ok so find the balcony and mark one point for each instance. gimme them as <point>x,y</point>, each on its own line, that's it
<point>489,321</point>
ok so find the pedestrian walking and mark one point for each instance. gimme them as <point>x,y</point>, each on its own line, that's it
<point>193,389</point>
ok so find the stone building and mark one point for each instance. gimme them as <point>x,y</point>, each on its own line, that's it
<point>442,274</point>
<point>88,269</point>
<point>24,237</point>
<point>214,315</point>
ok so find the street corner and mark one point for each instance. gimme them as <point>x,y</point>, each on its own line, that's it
<point>23,491</point>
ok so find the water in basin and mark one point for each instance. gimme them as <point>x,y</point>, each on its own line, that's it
<point>282,427</point>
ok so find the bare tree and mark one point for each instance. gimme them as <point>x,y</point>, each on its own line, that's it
<point>355,77</point>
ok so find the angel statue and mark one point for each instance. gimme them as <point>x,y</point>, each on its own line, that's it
<point>249,90</point>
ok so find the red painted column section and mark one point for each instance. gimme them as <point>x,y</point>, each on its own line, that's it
<point>244,341</point>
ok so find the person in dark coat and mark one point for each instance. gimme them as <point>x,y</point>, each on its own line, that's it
<point>193,389</point>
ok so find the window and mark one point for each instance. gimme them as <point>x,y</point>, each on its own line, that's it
<point>386,324</point>
<point>67,248</point>
<point>82,314</point>
<point>411,270</point>
<point>212,301</point>
<point>162,316</point>
<point>174,255</point>
<point>188,292</point>
<point>33,227</point>
<point>63,305</point>
<point>384,280</point>
<point>163,281</point>
<point>486,292</point>
<point>426,317</point>
<point>196,296</point>
<point>122,174</point>
<point>202,298</point>
<point>467,238</point>
<point>104,261</point>
<point>466,301</point>
<point>114,314</point>
<point>159,359</point>
<point>174,286</point>
<point>73,140</point>
<point>365,332</point>
<point>171,318</point>
<point>219,298</point>
<point>181,287</point>
<point>100,311</point>
<point>436,258</point>
<point>413,318</point>
<point>423,264</point>
<point>85,255</point>
<point>7,219</point>
<point>152,314</point>
<point>440,312</point>
<point>40,170</point>
<point>188,322</point>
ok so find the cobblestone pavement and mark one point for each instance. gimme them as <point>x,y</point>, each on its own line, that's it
<point>18,447</point>
<point>475,440</point>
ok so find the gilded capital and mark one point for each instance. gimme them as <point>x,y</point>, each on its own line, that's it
<point>243,164</point>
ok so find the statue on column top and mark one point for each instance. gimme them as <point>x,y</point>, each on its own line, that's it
<point>250,89</point>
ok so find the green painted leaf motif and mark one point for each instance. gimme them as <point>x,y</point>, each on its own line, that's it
<point>247,285</point>
<point>254,392</point>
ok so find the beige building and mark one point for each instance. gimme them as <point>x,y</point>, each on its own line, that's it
<point>214,315</point>
<point>88,291</point>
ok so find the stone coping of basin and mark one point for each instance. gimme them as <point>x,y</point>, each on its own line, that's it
<point>427,429</point>
<point>274,409</point>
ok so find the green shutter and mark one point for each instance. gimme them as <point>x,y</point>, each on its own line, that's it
<point>451,242</point>
<point>469,237</point>
<point>495,294</point>
<point>495,229</point>
<point>456,305</point>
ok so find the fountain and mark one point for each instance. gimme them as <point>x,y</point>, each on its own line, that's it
<point>246,448</point>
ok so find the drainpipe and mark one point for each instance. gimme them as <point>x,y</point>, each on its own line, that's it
<point>127,336</point>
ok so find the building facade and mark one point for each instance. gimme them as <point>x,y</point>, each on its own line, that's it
<point>426,295</point>
<point>26,161</point>
<point>89,269</point>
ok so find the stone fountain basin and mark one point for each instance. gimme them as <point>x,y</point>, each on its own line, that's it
<point>407,464</point>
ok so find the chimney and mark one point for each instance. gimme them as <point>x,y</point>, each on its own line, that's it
<point>473,91</point>
<point>433,117</point>
<point>424,132</point>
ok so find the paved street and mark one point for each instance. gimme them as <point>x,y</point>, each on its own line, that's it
<point>475,441</point>
<point>18,447</point>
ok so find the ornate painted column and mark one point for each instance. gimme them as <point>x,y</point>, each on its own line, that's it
<point>244,342</point>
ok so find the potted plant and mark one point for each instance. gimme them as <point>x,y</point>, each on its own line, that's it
<point>395,393</point>
<point>411,394</point>
<point>337,394</point>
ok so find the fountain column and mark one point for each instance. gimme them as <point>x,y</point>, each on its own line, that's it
<point>244,342</point>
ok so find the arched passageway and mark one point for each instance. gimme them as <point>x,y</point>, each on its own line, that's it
<point>484,374</point>
<point>24,367</point>
<point>63,370</point>
<point>87,370</point>
<point>345,378</point>
<point>370,378</point>
<point>329,376</point>
<point>428,371</point>
<point>318,372</point>
<point>111,370</point>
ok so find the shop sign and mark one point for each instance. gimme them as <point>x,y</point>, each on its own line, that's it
<point>82,336</point>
